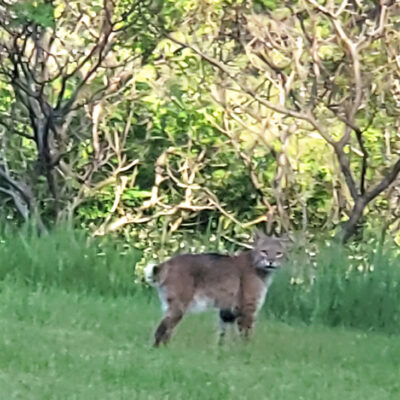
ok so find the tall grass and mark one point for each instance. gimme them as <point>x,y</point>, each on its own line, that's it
<point>341,287</point>
<point>355,287</point>
<point>67,259</point>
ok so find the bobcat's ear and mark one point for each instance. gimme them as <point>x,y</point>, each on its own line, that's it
<point>287,238</point>
<point>259,236</point>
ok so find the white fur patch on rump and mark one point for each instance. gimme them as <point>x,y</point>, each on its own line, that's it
<point>200,303</point>
<point>149,274</point>
<point>162,297</point>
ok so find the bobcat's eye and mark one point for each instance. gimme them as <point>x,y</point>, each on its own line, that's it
<point>279,255</point>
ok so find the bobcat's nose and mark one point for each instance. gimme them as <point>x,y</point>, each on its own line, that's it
<point>271,265</point>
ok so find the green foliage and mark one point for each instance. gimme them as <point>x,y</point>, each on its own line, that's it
<point>33,11</point>
<point>166,99</point>
<point>262,5</point>
<point>96,208</point>
<point>6,96</point>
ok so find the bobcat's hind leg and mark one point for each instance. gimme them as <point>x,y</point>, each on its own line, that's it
<point>174,313</point>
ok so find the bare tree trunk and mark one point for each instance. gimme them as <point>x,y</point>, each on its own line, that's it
<point>349,228</point>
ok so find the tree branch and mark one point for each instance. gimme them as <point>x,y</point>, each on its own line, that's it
<point>384,183</point>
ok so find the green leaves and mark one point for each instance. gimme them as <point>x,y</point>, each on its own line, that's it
<point>33,11</point>
<point>259,5</point>
<point>134,197</point>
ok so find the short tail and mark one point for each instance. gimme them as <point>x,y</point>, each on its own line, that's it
<point>150,271</point>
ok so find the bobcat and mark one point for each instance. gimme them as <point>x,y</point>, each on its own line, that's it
<point>236,285</point>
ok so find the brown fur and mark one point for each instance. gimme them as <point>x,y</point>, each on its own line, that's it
<point>236,285</point>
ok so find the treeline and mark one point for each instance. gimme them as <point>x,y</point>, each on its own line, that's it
<point>153,118</point>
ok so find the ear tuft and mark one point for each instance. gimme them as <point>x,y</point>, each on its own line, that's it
<point>287,238</point>
<point>259,235</point>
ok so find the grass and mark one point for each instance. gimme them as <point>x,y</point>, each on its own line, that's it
<point>357,288</point>
<point>67,260</point>
<point>58,344</point>
<point>353,287</point>
<point>73,325</point>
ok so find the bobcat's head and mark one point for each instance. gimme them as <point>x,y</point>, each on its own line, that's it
<point>269,252</point>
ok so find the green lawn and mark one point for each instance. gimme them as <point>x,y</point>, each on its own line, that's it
<point>59,345</point>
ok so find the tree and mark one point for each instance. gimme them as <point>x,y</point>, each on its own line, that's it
<point>62,62</point>
<point>171,113</point>
<point>327,68</point>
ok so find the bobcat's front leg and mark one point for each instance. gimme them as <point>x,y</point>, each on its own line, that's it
<point>253,290</point>
<point>246,319</point>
